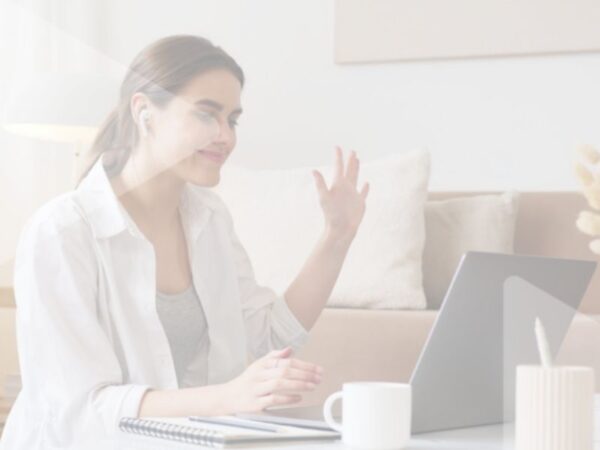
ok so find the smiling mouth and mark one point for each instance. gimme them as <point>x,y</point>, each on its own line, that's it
<point>213,156</point>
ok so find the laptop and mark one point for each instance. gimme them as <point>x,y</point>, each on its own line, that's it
<point>465,374</point>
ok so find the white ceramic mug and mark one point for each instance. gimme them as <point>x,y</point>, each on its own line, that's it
<point>376,415</point>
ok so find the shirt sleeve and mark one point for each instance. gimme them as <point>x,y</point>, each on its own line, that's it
<point>270,324</point>
<point>70,370</point>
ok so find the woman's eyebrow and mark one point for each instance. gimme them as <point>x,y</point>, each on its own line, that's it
<point>216,105</point>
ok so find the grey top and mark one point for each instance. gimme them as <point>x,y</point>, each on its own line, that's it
<point>185,325</point>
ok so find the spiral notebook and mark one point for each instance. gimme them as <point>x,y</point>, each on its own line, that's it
<point>220,431</point>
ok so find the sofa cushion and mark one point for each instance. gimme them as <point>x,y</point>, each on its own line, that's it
<point>458,225</point>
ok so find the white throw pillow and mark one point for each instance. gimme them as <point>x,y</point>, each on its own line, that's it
<point>278,219</point>
<point>458,225</point>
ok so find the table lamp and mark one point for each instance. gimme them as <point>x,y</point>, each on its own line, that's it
<point>58,107</point>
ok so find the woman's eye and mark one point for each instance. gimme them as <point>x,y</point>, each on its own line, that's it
<point>209,118</point>
<point>205,116</point>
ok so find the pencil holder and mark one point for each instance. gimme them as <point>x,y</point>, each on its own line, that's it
<point>554,408</point>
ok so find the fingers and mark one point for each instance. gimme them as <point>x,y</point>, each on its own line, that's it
<point>352,169</point>
<point>278,399</point>
<point>273,358</point>
<point>281,353</point>
<point>320,182</point>
<point>364,191</point>
<point>282,384</point>
<point>278,379</point>
<point>292,374</point>
<point>301,365</point>
<point>283,360</point>
<point>339,164</point>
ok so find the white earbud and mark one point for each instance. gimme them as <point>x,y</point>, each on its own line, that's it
<point>144,116</point>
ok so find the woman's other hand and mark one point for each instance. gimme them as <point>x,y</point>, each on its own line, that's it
<point>343,205</point>
<point>274,379</point>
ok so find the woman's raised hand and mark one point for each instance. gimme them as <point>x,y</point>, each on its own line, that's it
<point>274,379</point>
<point>343,205</point>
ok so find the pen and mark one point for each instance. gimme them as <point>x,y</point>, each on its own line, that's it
<point>542,343</point>
<point>236,422</point>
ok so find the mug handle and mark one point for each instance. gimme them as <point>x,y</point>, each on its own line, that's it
<point>337,426</point>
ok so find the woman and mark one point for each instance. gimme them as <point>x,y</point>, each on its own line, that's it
<point>134,296</point>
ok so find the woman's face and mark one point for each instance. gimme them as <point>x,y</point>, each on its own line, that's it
<point>195,133</point>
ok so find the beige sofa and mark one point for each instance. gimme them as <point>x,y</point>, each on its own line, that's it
<point>384,345</point>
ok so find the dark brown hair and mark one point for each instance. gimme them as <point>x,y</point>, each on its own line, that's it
<point>160,71</point>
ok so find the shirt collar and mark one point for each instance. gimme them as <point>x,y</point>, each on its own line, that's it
<point>108,217</point>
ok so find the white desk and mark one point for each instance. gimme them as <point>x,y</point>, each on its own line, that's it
<point>495,437</point>
<point>481,438</point>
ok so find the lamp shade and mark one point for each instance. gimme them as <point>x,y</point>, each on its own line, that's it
<point>59,107</point>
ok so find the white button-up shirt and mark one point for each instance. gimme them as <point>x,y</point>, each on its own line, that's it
<point>89,338</point>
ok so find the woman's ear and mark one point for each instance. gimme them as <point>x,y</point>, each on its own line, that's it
<point>144,118</point>
<point>138,103</point>
<point>140,112</point>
